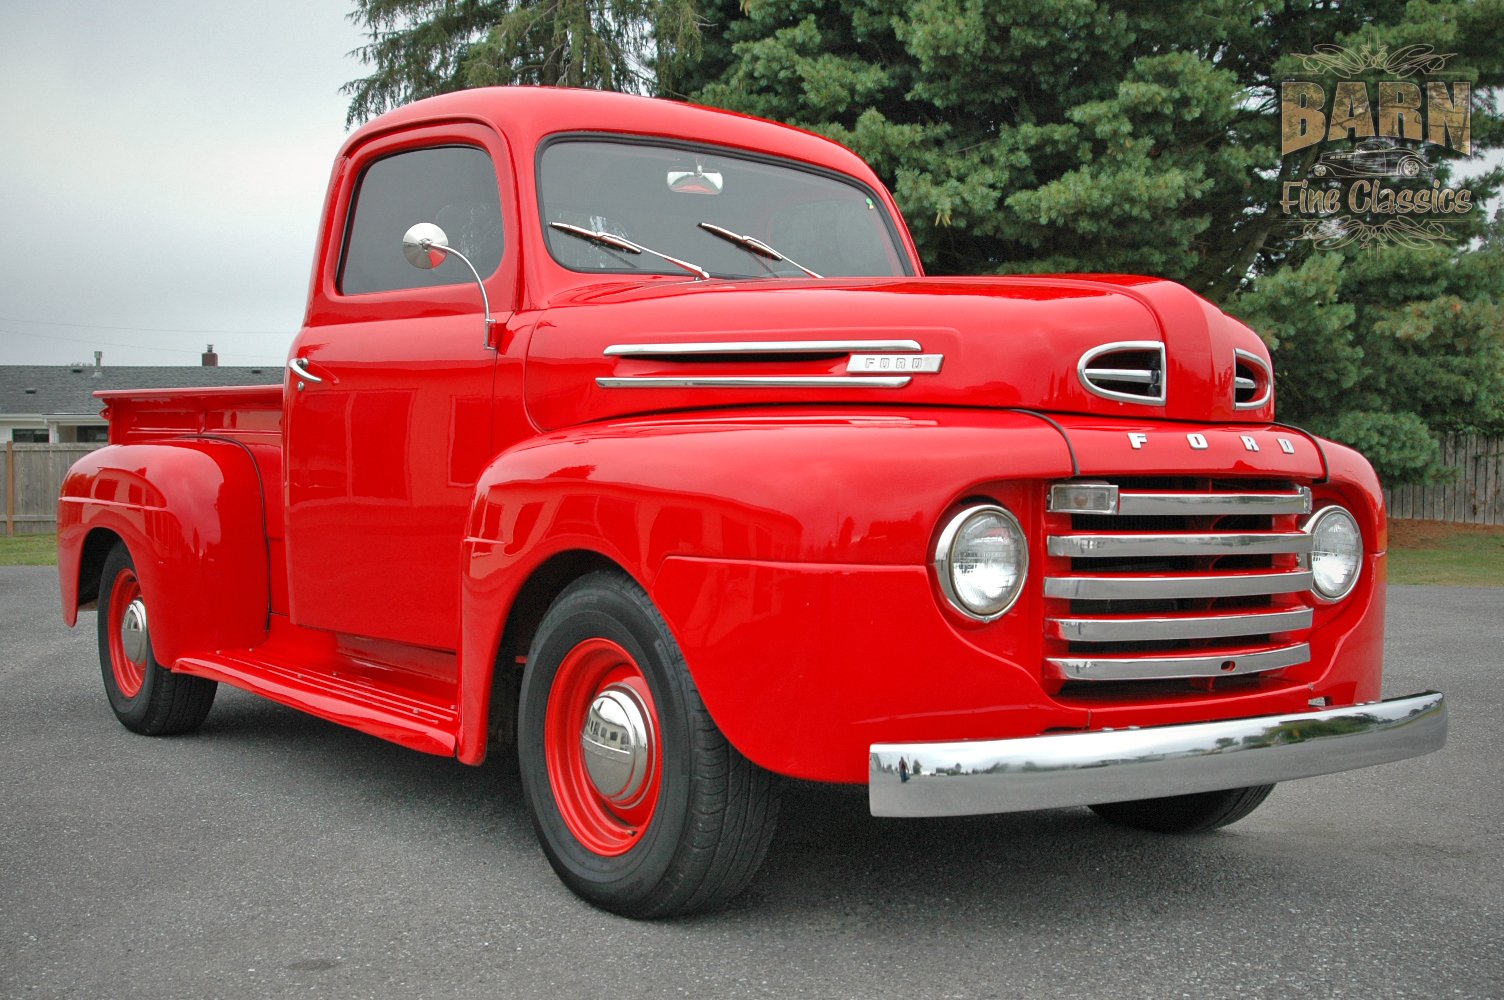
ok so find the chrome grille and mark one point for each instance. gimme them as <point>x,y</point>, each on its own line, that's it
<point>1176,581</point>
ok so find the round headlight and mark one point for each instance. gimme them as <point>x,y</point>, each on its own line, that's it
<point>1336,552</point>
<point>981,560</point>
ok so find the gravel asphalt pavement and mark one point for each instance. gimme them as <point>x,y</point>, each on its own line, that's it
<point>273,855</point>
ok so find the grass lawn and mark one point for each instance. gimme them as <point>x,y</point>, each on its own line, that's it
<point>1452,555</point>
<point>28,550</point>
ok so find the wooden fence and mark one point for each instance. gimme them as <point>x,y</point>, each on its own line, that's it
<point>32,476</point>
<point>33,473</point>
<point>1474,496</point>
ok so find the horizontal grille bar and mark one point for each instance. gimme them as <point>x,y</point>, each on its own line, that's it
<point>1109,588</point>
<point>1124,629</point>
<point>1109,546</point>
<point>1190,504</point>
<point>1157,668</point>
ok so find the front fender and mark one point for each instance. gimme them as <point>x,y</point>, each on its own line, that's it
<point>807,487</point>
<point>799,487</point>
<point>192,514</point>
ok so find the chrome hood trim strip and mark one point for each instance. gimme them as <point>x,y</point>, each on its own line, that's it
<point>715,349</point>
<point>754,382</point>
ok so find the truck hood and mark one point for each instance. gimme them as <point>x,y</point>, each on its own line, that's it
<point>1108,346</point>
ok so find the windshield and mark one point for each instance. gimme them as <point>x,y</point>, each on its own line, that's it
<point>663,197</point>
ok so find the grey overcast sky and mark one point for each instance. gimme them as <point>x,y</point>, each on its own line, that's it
<point>162,169</point>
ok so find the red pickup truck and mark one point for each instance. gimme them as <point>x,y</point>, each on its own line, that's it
<point>630,433</point>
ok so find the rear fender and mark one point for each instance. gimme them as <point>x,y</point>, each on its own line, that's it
<point>192,514</point>
<point>791,488</point>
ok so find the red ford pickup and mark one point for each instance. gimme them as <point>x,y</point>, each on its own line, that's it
<point>631,434</point>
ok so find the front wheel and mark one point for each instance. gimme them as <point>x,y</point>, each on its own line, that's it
<point>641,805</point>
<point>144,695</point>
<point>1186,813</point>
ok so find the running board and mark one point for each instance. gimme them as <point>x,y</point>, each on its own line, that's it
<point>404,719</point>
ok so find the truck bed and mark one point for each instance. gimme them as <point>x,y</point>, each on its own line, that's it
<point>251,413</point>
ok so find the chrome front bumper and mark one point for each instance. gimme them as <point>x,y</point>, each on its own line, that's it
<point>1077,769</point>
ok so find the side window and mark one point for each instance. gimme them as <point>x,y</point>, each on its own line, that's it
<point>451,186</point>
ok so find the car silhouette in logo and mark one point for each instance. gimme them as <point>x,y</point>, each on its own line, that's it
<point>1373,158</point>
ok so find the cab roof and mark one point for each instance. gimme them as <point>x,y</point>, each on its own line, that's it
<point>528,115</point>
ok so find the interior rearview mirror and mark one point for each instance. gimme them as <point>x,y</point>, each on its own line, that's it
<point>696,181</point>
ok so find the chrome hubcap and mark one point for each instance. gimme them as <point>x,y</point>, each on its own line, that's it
<point>133,631</point>
<point>617,739</point>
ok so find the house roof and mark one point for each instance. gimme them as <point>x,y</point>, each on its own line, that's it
<point>53,390</point>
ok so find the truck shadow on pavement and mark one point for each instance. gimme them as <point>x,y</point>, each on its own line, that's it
<point>830,861</point>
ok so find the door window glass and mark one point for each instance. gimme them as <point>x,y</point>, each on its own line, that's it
<point>453,187</point>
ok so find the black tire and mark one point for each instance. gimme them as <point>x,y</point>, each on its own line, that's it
<point>1196,813</point>
<point>145,696</point>
<point>693,818</point>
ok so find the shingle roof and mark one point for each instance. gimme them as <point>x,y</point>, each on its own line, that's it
<point>59,389</point>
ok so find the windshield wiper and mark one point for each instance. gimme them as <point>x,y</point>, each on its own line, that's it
<point>753,245</point>
<point>626,246</point>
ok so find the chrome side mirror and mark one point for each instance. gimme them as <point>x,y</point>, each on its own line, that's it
<point>426,246</point>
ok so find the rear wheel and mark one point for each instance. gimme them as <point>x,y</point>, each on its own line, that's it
<point>145,696</point>
<point>1186,813</point>
<point>641,805</point>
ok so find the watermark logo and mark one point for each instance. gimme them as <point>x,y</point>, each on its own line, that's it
<point>1370,119</point>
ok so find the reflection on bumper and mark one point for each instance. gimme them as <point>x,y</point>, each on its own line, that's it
<point>1077,769</point>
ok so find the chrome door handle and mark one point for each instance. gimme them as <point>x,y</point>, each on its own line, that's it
<point>297,367</point>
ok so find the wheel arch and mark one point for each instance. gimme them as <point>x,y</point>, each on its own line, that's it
<point>192,514</point>
<point>491,670</point>
<point>94,551</point>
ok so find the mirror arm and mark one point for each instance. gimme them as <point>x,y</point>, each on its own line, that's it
<point>485,300</point>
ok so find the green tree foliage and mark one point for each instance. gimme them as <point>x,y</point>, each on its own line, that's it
<point>1074,135</point>
<point>1069,135</point>
<point>420,48</point>
<point>1387,349</point>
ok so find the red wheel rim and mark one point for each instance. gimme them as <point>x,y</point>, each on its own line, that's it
<point>599,677</point>
<point>127,612</point>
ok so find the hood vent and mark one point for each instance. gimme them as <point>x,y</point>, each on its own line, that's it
<point>1131,371</point>
<point>1253,383</point>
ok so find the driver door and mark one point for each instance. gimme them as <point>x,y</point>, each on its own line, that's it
<point>391,383</point>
